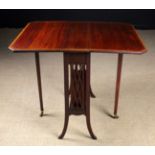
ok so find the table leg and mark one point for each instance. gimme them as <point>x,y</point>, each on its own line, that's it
<point>91,93</point>
<point>87,97</point>
<point>37,61</point>
<point>119,70</point>
<point>77,97</point>
<point>66,92</point>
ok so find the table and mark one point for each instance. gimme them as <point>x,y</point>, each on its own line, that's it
<point>77,40</point>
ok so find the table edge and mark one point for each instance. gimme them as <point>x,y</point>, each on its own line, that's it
<point>79,50</point>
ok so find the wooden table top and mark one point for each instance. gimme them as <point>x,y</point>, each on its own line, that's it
<point>63,36</point>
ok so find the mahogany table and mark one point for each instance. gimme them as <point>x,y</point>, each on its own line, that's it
<point>77,40</point>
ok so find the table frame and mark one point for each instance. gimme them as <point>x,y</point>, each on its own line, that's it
<point>75,59</point>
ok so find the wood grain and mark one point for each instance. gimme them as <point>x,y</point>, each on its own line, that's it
<point>63,36</point>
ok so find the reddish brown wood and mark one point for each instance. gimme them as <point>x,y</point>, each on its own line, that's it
<point>77,38</point>
<point>66,91</point>
<point>118,81</point>
<point>78,101</point>
<point>91,93</point>
<point>66,36</point>
<point>37,61</point>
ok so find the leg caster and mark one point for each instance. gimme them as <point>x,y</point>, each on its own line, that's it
<point>42,113</point>
<point>115,117</point>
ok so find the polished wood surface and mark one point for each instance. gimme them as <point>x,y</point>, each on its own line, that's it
<point>63,36</point>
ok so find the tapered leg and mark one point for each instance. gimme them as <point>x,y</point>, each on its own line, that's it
<point>91,93</point>
<point>87,99</point>
<point>89,126</point>
<point>67,91</point>
<point>119,71</point>
<point>37,61</point>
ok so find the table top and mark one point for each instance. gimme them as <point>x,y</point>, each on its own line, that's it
<point>67,36</point>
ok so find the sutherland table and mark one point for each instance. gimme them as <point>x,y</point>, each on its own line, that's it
<point>77,40</point>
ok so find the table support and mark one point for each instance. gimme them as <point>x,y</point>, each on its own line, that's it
<point>77,97</point>
<point>119,70</point>
<point>37,61</point>
<point>91,93</point>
